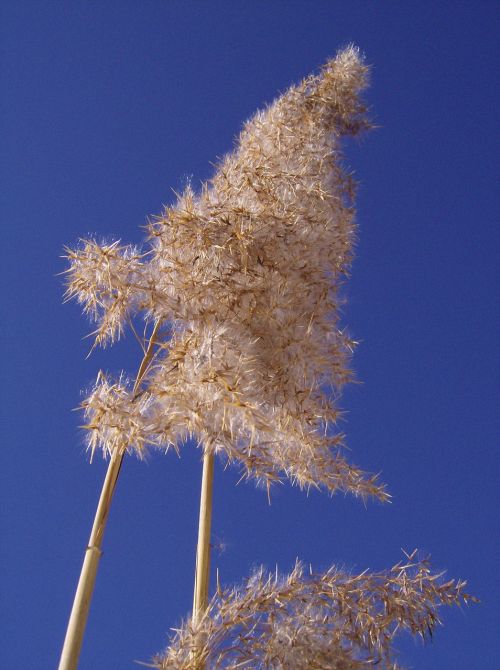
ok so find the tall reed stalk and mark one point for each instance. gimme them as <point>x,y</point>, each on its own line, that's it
<point>83,596</point>
<point>202,571</point>
<point>202,575</point>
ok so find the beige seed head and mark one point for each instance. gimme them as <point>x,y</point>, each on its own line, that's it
<point>326,621</point>
<point>246,274</point>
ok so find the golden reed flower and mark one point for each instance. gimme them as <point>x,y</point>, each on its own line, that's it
<point>245,277</point>
<point>329,621</point>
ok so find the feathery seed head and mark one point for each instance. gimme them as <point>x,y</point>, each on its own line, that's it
<point>329,621</point>
<point>246,273</point>
<point>103,278</point>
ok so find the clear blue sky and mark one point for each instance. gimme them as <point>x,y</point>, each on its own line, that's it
<point>107,106</point>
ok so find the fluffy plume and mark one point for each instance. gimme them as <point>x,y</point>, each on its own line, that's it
<point>104,279</point>
<point>246,276</point>
<point>329,621</point>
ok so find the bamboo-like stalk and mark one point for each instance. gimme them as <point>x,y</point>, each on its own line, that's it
<point>81,603</point>
<point>202,572</point>
<point>200,599</point>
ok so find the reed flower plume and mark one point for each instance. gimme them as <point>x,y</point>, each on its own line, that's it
<point>327,621</point>
<point>245,276</point>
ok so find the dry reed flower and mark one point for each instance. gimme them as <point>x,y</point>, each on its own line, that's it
<point>117,417</point>
<point>103,278</point>
<point>246,273</point>
<point>329,621</point>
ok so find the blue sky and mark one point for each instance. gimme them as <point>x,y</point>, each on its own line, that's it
<point>107,107</point>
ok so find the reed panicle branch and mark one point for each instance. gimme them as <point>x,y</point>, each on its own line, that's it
<point>326,621</point>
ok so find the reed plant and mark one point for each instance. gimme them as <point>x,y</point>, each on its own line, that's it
<point>239,285</point>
